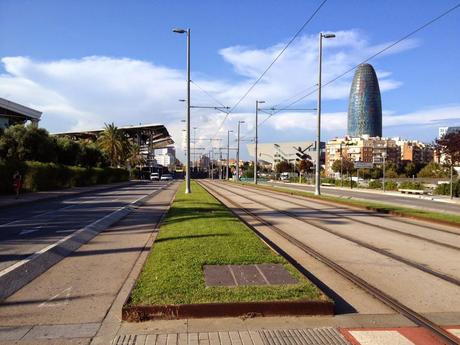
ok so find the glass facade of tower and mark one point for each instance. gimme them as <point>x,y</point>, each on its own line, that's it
<point>365,105</point>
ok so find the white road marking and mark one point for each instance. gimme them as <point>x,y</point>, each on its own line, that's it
<point>43,250</point>
<point>64,231</point>
<point>28,231</point>
<point>64,301</point>
<point>380,338</point>
<point>455,331</point>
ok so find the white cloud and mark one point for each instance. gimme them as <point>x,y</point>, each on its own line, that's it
<point>84,93</point>
<point>433,116</point>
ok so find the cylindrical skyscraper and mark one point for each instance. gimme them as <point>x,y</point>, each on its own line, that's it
<point>365,104</point>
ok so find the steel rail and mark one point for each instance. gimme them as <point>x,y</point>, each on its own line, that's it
<point>372,290</point>
<point>374,213</point>
<point>384,252</point>
<point>386,228</point>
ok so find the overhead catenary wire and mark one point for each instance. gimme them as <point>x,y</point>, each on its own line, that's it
<point>364,61</point>
<point>207,93</point>
<point>272,63</point>
<point>369,58</point>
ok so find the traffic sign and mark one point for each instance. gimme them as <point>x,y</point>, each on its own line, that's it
<point>363,165</point>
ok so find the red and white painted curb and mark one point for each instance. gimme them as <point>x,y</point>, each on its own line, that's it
<point>395,336</point>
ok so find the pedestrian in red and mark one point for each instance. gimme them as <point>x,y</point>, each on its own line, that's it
<point>17,183</point>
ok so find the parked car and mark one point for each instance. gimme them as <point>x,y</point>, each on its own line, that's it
<point>166,177</point>
<point>155,176</point>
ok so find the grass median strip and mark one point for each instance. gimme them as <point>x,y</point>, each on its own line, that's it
<point>373,206</point>
<point>198,230</point>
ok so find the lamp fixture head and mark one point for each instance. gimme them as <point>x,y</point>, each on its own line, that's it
<point>179,31</point>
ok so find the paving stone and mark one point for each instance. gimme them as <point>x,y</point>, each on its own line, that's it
<point>140,339</point>
<point>161,339</point>
<point>224,338</point>
<point>316,336</point>
<point>151,339</point>
<point>276,274</point>
<point>256,338</point>
<point>193,339</point>
<point>13,333</point>
<point>247,275</point>
<point>172,339</point>
<point>235,338</point>
<point>214,338</point>
<point>182,339</point>
<point>218,275</point>
<point>245,338</point>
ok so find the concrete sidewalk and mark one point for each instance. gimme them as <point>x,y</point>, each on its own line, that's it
<point>26,198</point>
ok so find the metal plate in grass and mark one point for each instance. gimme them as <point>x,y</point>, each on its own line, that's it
<point>244,275</point>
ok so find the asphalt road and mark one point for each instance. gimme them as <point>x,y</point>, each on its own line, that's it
<point>80,298</point>
<point>406,201</point>
<point>29,228</point>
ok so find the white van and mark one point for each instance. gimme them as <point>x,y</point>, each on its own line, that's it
<point>154,176</point>
<point>286,176</point>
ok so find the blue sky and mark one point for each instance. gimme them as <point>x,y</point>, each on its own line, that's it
<point>84,63</point>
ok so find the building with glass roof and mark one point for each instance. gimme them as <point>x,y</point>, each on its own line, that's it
<point>365,105</point>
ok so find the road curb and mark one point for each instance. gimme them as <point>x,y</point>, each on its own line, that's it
<point>238,309</point>
<point>23,272</point>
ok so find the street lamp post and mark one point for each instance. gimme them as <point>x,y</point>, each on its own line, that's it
<point>194,151</point>
<point>318,129</point>
<point>238,153</point>
<point>341,166</point>
<point>256,140</point>
<point>187,164</point>
<point>384,155</point>
<point>228,154</point>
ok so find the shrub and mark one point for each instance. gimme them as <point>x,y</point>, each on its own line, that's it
<point>444,189</point>
<point>38,176</point>
<point>391,185</point>
<point>376,184</point>
<point>411,185</point>
<point>346,183</point>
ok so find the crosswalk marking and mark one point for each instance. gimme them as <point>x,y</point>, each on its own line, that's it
<point>380,338</point>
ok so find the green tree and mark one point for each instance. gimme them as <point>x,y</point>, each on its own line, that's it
<point>113,143</point>
<point>282,167</point>
<point>345,165</point>
<point>21,143</point>
<point>434,170</point>
<point>391,170</point>
<point>91,156</point>
<point>410,169</point>
<point>449,145</point>
<point>135,158</point>
<point>68,151</point>
<point>304,165</point>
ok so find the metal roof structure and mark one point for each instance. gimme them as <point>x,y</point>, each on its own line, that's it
<point>14,112</point>
<point>155,136</point>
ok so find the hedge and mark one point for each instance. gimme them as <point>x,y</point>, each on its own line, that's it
<point>444,189</point>
<point>39,176</point>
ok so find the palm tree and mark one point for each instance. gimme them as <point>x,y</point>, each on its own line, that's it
<point>113,143</point>
<point>135,157</point>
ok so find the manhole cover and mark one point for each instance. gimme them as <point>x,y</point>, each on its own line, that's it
<point>258,274</point>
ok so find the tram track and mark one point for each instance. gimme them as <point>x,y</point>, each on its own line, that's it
<point>381,251</point>
<point>395,218</point>
<point>393,303</point>
<point>379,226</point>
